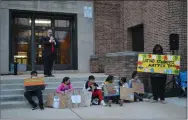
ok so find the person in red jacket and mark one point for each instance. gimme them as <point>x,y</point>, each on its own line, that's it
<point>94,88</point>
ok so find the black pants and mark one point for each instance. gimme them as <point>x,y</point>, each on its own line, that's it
<point>115,99</point>
<point>29,94</point>
<point>138,97</point>
<point>48,64</point>
<point>158,87</point>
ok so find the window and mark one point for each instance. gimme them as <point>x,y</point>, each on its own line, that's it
<point>23,22</point>
<point>62,23</point>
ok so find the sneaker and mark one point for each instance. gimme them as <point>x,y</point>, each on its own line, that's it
<point>121,102</point>
<point>103,103</point>
<point>110,103</point>
<point>153,101</point>
<point>95,101</point>
<point>36,107</point>
<point>163,102</point>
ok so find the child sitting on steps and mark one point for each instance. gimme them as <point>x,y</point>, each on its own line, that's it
<point>93,87</point>
<point>110,99</point>
<point>135,79</point>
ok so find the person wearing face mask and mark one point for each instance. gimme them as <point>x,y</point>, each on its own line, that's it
<point>158,80</point>
<point>49,53</point>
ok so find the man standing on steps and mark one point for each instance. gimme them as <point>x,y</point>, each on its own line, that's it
<point>49,53</point>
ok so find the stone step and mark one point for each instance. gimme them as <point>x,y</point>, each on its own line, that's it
<point>49,85</point>
<point>21,91</point>
<point>20,97</point>
<point>10,90</point>
<point>14,105</point>
<point>51,79</point>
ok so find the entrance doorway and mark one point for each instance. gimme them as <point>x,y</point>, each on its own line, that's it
<point>27,30</point>
<point>137,38</point>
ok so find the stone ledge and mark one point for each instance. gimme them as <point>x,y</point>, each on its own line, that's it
<point>126,53</point>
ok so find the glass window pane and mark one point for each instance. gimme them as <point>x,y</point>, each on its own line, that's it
<point>63,51</point>
<point>23,21</point>
<point>22,53</point>
<point>62,23</point>
<point>43,22</point>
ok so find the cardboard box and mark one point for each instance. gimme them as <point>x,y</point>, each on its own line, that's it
<point>138,87</point>
<point>127,93</point>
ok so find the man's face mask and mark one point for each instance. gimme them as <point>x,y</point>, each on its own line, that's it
<point>158,51</point>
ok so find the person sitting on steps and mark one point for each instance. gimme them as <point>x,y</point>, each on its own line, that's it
<point>135,79</point>
<point>37,92</point>
<point>110,99</point>
<point>93,87</point>
<point>65,86</point>
<point>122,83</point>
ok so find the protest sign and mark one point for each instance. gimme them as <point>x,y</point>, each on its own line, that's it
<point>34,81</point>
<point>165,64</point>
<point>31,84</point>
<point>111,90</point>
<point>138,87</point>
<point>127,93</point>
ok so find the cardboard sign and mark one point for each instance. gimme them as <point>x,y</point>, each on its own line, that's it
<point>165,64</point>
<point>72,99</point>
<point>111,90</point>
<point>85,98</point>
<point>138,87</point>
<point>57,101</point>
<point>34,81</point>
<point>127,93</point>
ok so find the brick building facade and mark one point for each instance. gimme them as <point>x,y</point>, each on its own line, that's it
<point>159,19</point>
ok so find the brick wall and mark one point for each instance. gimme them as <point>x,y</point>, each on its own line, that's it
<point>178,24</point>
<point>107,23</point>
<point>160,19</point>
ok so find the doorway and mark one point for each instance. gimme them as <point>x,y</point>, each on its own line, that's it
<point>137,38</point>
<point>27,30</point>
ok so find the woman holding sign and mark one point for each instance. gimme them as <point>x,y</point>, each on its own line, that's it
<point>158,80</point>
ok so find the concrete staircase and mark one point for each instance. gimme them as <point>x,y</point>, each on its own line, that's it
<point>12,90</point>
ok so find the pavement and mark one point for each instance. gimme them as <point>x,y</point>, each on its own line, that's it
<point>135,110</point>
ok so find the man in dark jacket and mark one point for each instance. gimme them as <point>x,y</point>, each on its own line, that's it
<point>49,53</point>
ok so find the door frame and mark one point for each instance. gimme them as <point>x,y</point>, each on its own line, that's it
<point>53,16</point>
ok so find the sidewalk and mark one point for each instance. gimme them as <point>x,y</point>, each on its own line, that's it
<point>137,111</point>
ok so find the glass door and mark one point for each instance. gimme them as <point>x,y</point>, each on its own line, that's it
<point>63,58</point>
<point>41,26</point>
<point>21,39</point>
<point>27,30</point>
